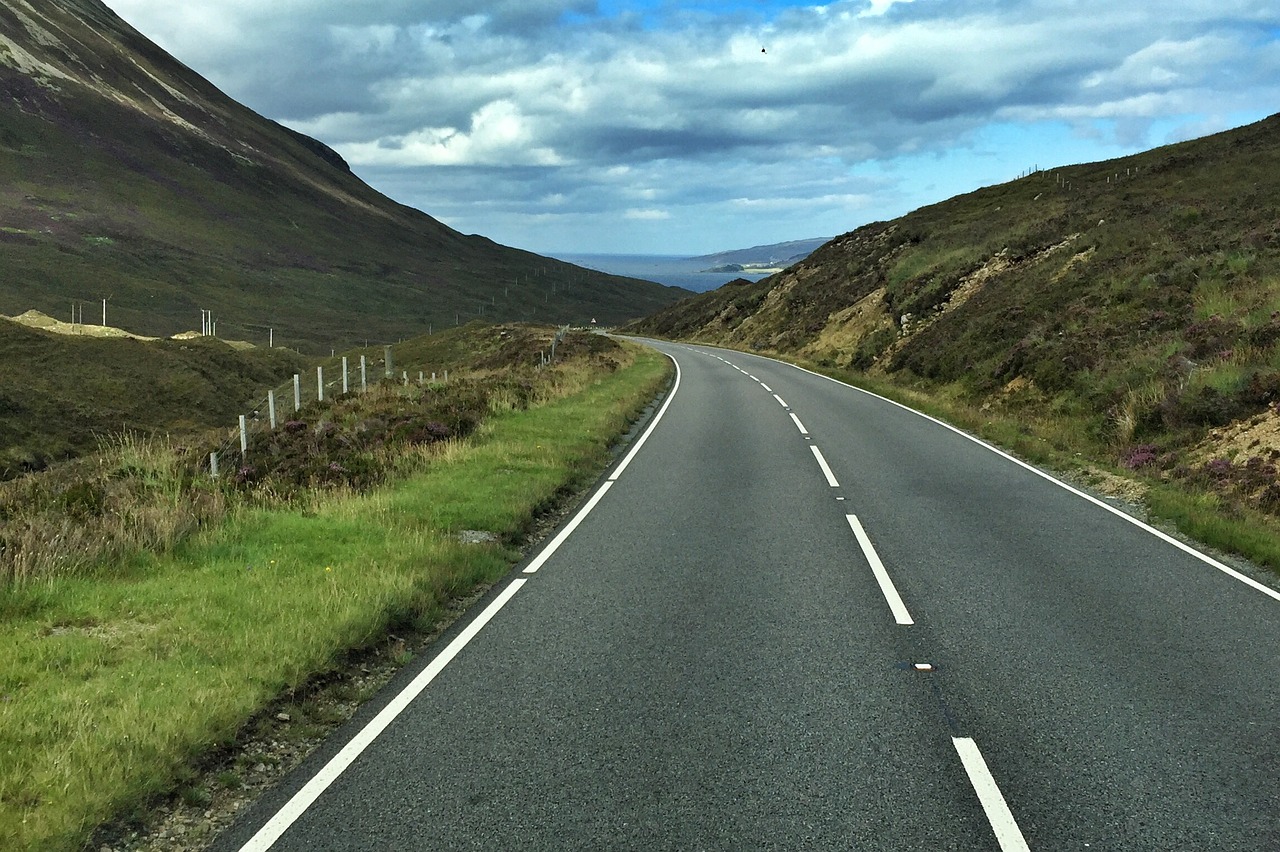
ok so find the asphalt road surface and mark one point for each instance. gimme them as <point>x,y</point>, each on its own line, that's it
<point>797,616</point>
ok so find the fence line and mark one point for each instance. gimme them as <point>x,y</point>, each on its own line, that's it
<point>238,440</point>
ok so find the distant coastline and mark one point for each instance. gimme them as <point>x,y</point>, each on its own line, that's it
<point>744,268</point>
<point>677,271</point>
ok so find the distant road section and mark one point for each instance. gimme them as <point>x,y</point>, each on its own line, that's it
<point>798,616</point>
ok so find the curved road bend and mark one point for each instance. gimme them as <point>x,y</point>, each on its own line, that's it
<point>801,617</point>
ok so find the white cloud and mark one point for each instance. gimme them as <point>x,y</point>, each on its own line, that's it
<point>499,134</point>
<point>648,215</point>
<point>665,110</point>
<point>879,8</point>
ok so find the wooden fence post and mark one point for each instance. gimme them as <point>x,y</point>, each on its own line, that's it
<point>320,383</point>
<point>345,388</point>
<point>364,375</point>
<point>297,392</point>
<point>244,438</point>
<point>386,352</point>
<point>213,465</point>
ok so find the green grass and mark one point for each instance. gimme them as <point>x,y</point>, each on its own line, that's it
<point>111,687</point>
<point>1228,528</point>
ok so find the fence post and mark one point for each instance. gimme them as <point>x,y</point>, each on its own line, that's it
<point>320,383</point>
<point>297,392</point>
<point>386,351</point>
<point>364,375</point>
<point>244,438</point>
<point>271,407</point>
<point>345,388</point>
<point>406,378</point>
<point>421,377</point>
<point>213,465</point>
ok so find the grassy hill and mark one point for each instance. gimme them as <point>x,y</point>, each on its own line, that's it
<point>61,395</point>
<point>126,176</point>
<point>1129,309</point>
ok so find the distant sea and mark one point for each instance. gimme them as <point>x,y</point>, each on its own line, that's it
<point>665,269</point>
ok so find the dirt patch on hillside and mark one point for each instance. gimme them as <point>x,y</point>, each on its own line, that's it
<point>846,329</point>
<point>35,319</point>
<point>1240,441</point>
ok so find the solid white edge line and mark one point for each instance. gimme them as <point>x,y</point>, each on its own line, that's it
<point>551,548</point>
<point>654,425</point>
<point>826,468</point>
<point>303,799</point>
<point>799,425</point>
<point>1142,525</point>
<point>1008,835</point>
<point>890,592</point>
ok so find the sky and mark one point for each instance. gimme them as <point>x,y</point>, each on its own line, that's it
<point>685,127</point>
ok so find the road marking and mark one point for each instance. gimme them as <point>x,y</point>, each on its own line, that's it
<point>647,432</point>
<point>781,401</point>
<point>826,468</point>
<point>766,387</point>
<point>799,425</point>
<point>303,799</point>
<point>1165,537</point>
<point>1008,835</point>
<point>532,567</point>
<point>752,378</point>
<point>890,592</point>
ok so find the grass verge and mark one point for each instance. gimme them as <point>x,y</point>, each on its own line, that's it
<point>111,687</point>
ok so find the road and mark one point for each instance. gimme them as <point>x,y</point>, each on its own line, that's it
<point>798,616</point>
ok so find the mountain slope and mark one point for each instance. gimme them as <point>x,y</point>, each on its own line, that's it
<point>126,176</point>
<point>1137,300</point>
<point>777,254</point>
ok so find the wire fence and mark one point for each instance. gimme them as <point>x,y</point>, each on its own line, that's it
<point>339,377</point>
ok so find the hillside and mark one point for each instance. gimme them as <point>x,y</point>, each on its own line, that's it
<point>779,255</point>
<point>126,176</point>
<point>61,395</point>
<point>1135,303</point>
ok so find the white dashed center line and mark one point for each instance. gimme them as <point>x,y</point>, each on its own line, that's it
<point>899,609</point>
<point>1008,835</point>
<point>826,468</point>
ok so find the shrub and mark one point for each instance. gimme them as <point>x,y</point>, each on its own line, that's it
<point>1140,456</point>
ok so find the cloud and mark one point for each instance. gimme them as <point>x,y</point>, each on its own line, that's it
<point>647,215</point>
<point>604,105</point>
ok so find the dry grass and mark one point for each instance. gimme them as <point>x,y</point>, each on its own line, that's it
<point>134,497</point>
